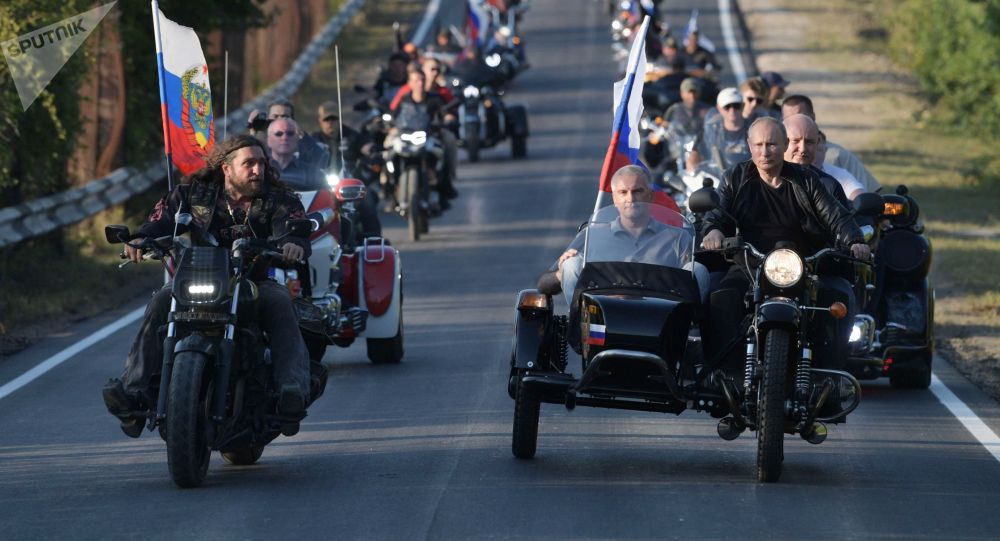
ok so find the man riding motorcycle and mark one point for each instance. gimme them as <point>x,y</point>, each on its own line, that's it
<point>236,195</point>
<point>770,201</point>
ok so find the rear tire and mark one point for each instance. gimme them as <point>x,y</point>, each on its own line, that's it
<point>243,457</point>
<point>472,143</point>
<point>518,146</point>
<point>911,378</point>
<point>188,450</point>
<point>771,407</point>
<point>526,409</point>
<point>387,350</point>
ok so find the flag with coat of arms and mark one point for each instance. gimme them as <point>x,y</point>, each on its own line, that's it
<point>185,94</point>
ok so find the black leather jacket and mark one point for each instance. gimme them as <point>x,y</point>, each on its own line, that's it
<point>825,219</point>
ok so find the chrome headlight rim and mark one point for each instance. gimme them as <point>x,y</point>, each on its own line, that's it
<point>783,268</point>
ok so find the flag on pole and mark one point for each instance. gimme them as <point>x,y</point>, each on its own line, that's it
<point>624,147</point>
<point>185,94</point>
<point>692,26</point>
<point>476,22</point>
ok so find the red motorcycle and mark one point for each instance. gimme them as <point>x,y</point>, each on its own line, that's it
<point>353,286</point>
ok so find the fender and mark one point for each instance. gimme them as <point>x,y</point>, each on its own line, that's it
<point>380,289</point>
<point>199,343</point>
<point>778,314</point>
<point>529,335</point>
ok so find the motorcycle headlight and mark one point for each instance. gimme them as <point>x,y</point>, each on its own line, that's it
<point>493,60</point>
<point>199,291</point>
<point>332,179</point>
<point>470,92</point>
<point>783,267</point>
<point>418,137</point>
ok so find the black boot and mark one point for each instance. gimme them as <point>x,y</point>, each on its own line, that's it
<point>122,405</point>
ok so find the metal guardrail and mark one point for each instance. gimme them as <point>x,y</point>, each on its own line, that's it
<point>45,214</point>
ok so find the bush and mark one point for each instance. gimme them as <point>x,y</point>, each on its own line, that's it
<point>953,47</point>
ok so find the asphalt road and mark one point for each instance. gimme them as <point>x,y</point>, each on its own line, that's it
<point>421,450</point>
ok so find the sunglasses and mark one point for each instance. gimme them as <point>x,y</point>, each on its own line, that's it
<point>433,69</point>
<point>733,107</point>
<point>284,133</point>
<point>752,99</point>
<point>330,119</point>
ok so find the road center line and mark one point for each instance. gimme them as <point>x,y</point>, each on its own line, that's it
<point>68,353</point>
<point>966,416</point>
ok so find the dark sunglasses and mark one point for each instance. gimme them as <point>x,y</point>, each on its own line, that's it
<point>733,106</point>
<point>330,118</point>
<point>284,133</point>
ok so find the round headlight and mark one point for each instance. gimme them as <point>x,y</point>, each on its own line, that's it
<point>783,267</point>
<point>471,92</point>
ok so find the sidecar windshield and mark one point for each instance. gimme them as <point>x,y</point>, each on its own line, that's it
<point>639,233</point>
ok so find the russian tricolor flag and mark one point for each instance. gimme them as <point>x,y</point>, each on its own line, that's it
<point>185,94</point>
<point>595,334</point>
<point>477,20</point>
<point>625,140</point>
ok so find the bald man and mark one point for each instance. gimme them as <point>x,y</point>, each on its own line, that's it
<point>773,200</point>
<point>803,143</point>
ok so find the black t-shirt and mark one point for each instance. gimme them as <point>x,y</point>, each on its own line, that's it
<point>775,216</point>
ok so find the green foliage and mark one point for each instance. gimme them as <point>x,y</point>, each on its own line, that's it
<point>953,47</point>
<point>35,144</point>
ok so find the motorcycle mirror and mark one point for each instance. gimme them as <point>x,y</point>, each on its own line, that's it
<point>299,228</point>
<point>116,234</point>
<point>868,204</point>
<point>703,200</point>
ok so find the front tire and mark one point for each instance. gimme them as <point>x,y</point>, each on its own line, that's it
<point>917,377</point>
<point>472,142</point>
<point>771,407</point>
<point>526,409</point>
<point>412,195</point>
<point>188,450</point>
<point>518,146</point>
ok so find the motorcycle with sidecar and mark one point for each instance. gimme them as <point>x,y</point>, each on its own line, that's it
<point>636,316</point>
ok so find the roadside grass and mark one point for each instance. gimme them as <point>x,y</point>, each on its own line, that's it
<point>45,286</point>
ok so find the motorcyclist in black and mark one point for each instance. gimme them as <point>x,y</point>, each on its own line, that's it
<point>774,201</point>
<point>236,195</point>
<point>391,78</point>
<point>423,110</point>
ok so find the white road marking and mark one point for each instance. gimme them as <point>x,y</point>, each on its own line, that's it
<point>732,47</point>
<point>966,416</point>
<point>68,353</point>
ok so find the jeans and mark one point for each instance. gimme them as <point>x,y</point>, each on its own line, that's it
<point>276,317</point>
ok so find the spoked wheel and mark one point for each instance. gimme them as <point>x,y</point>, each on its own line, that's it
<point>244,456</point>
<point>526,410</point>
<point>771,407</point>
<point>188,448</point>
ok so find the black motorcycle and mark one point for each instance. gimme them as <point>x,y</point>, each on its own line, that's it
<point>483,120</point>
<point>216,390</point>
<point>636,317</point>
<point>895,335</point>
<point>413,157</point>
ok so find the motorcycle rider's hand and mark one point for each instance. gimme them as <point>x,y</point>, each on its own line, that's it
<point>713,240</point>
<point>132,253</point>
<point>562,259</point>
<point>292,252</point>
<point>861,251</point>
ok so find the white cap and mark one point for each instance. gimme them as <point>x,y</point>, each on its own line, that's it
<point>729,96</point>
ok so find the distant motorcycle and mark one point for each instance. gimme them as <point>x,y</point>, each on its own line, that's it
<point>411,158</point>
<point>484,120</point>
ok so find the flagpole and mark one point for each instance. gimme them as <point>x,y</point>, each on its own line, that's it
<point>340,114</point>
<point>163,96</point>
<point>225,98</point>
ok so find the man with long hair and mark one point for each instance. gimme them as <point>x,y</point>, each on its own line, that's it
<point>236,195</point>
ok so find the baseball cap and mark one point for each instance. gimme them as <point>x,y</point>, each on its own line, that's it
<point>689,84</point>
<point>328,109</point>
<point>773,79</point>
<point>729,96</point>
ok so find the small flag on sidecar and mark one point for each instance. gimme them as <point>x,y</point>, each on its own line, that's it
<point>595,335</point>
